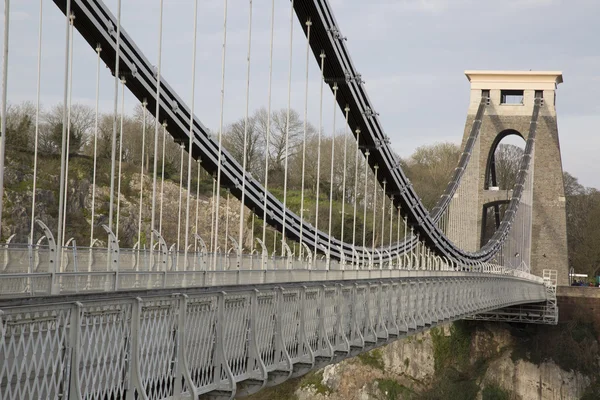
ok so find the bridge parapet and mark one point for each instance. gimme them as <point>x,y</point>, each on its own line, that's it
<point>90,270</point>
<point>230,340</point>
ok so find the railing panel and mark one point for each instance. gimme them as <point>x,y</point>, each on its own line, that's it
<point>265,328</point>
<point>157,341</point>
<point>330,316</point>
<point>372,312</point>
<point>311,322</point>
<point>35,352</point>
<point>346,313</point>
<point>200,329</point>
<point>290,319</point>
<point>23,285</point>
<point>360,312</point>
<point>237,313</point>
<point>16,258</point>
<point>105,349</point>
<point>86,282</point>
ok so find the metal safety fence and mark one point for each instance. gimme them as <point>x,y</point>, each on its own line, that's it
<point>228,341</point>
<point>85,270</point>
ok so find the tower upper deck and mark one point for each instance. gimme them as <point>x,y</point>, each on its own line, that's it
<point>512,92</point>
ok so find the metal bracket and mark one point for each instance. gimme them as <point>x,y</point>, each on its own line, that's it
<point>288,252</point>
<point>308,253</point>
<point>369,113</point>
<point>342,257</point>
<point>53,266</point>
<point>264,254</point>
<point>202,243</point>
<point>163,249</point>
<point>357,78</point>
<point>113,249</point>
<point>335,32</point>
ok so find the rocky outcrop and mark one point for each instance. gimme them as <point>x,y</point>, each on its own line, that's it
<point>406,369</point>
<point>526,380</point>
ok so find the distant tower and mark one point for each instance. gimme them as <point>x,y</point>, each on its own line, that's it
<point>512,96</point>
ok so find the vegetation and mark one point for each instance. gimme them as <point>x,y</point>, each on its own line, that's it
<point>315,380</point>
<point>592,392</point>
<point>571,345</point>
<point>452,351</point>
<point>583,218</point>
<point>284,391</point>
<point>494,392</point>
<point>373,358</point>
<point>21,130</point>
<point>393,390</point>
<point>455,376</point>
<point>452,385</point>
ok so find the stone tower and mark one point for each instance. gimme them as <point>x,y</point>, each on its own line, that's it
<point>512,96</point>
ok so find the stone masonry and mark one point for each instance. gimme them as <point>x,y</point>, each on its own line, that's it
<point>548,233</point>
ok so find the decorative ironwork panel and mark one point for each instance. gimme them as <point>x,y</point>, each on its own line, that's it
<point>35,352</point>
<point>265,329</point>
<point>236,328</point>
<point>200,344</point>
<point>105,349</point>
<point>157,341</point>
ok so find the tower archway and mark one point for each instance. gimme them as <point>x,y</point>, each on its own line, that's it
<point>508,118</point>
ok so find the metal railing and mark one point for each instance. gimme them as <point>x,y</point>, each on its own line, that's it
<point>227,341</point>
<point>85,269</point>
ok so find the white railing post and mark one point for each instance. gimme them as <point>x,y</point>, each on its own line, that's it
<point>135,376</point>
<point>75,347</point>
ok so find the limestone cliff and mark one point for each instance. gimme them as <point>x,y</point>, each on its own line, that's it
<point>463,361</point>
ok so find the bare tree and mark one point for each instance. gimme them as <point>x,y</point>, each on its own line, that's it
<point>138,115</point>
<point>233,140</point>
<point>82,123</point>
<point>507,159</point>
<point>277,138</point>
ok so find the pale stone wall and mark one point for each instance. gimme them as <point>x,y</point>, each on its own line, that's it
<point>549,232</point>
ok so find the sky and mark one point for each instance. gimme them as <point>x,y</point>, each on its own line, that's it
<point>412,55</point>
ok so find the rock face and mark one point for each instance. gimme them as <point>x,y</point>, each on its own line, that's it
<point>526,380</point>
<point>18,199</point>
<point>406,369</point>
<point>405,366</point>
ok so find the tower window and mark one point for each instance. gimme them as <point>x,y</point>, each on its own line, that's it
<point>511,97</point>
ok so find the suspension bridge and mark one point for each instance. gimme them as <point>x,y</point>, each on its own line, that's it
<point>225,315</point>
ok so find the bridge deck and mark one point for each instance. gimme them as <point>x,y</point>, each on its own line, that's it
<point>228,339</point>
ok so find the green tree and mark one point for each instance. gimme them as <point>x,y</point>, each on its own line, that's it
<point>20,126</point>
<point>429,169</point>
<point>583,218</point>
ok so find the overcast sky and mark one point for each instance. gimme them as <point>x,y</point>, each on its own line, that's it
<point>411,53</point>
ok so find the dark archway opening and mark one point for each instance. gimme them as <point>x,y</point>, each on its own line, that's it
<point>493,213</point>
<point>503,160</point>
<point>501,172</point>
